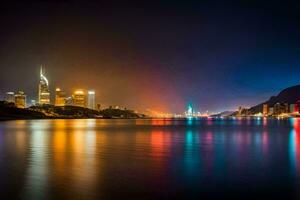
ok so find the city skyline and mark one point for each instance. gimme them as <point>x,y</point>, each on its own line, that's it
<point>88,100</point>
<point>154,56</point>
<point>78,97</point>
<point>285,104</point>
<point>150,99</point>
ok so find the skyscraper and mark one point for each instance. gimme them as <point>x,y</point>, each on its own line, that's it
<point>189,112</point>
<point>69,101</point>
<point>33,102</point>
<point>10,97</point>
<point>265,109</point>
<point>292,108</point>
<point>60,97</point>
<point>79,98</point>
<point>20,99</point>
<point>44,92</point>
<point>91,99</point>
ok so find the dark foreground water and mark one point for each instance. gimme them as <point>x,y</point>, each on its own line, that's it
<point>150,159</point>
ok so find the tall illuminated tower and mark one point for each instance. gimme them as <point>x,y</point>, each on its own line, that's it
<point>91,99</point>
<point>189,112</point>
<point>44,92</point>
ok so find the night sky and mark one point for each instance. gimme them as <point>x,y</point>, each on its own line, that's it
<point>161,56</point>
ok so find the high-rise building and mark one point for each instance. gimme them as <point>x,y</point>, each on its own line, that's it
<point>294,107</point>
<point>20,99</point>
<point>297,106</point>
<point>10,97</point>
<point>91,99</point>
<point>286,108</point>
<point>44,92</point>
<point>189,112</point>
<point>98,106</point>
<point>60,97</point>
<point>33,102</point>
<point>79,98</point>
<point>242,111</point>
<point>281,108</point>
<point>277,109</point>
<point>271,111</point>
<point>265,109</point>
<point>69,101</point>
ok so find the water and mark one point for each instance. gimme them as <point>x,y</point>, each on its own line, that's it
<point>150,159</point>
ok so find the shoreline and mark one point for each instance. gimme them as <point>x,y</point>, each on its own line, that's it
<point>149,118</point>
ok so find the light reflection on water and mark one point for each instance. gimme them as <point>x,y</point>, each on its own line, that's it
<point>37,173</point>
<point>155,158</point>
<point>294,146</point>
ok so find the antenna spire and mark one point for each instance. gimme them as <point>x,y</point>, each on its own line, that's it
<point>41,70</point>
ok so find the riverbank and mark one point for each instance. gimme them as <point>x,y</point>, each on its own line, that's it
<point>8,111</point>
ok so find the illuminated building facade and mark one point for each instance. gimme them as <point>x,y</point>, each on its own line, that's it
<point>10,97</point>
<point>44,92</point>
<point>189,112</point>
<point>60,97</point>
<point>271,111</point>
<point>98,106</point>
<point>69,101</point>
<point>277,109</point>
<point>242,111</point>
<point>297,107</point>
<point>20,99</point>
<point>91,99</point>
<point>265,109</point>
<point>292,108</point>
<point>33,102</point>
<point>280,108</point>
<point>79,98</point>
<point>286,107</point>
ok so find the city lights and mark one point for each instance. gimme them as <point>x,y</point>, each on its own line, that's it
<point>86,99</point>
<point>44,92</point>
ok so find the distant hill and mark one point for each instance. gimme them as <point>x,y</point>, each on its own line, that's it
<point>80,112</point>
<point>9,111</point>
<point>224,114</point>
<point>71,112</point>
<point>289,95</point>
<point>118,113</point>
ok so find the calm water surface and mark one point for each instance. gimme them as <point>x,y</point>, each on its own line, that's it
<point>150,159</point>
